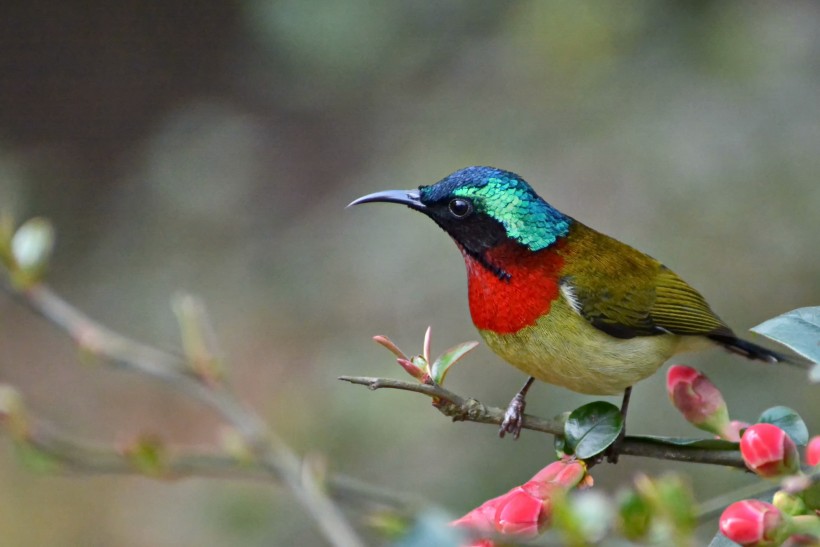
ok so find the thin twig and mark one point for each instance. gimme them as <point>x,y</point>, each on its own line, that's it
<point>467,409</point>
<point>272,454</point>
<point>79,456</point>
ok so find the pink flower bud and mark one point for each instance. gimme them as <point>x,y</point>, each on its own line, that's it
<point>753,522</point>
<point>526,510</point>
<point>813,451</point>
<point>769,451</point>
<point>567,472</point>
<point>697,399</point>
<point>520,513</point>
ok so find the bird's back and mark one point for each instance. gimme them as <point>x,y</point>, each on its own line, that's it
<point>616,314</point>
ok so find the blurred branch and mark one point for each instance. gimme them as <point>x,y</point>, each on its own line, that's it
<point>271,455</point>
<point>467,409</point>
<point>73,455</point>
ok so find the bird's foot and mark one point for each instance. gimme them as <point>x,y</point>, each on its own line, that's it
<point>613,451</point>
<point>513,417</point>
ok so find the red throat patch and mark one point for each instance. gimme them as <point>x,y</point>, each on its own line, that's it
<point>507,306</point>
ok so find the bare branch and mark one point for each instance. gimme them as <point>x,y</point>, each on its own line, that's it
<point>272,454</point>
<point>467,409</point>
<point>79,456</point>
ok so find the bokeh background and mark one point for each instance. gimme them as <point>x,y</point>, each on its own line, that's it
<point>212,148</point>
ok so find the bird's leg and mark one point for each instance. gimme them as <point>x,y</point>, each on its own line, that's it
<point>514,417</point>
<point>614,448</point>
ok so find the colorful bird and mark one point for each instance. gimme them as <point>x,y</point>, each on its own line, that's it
<point>561,302</point>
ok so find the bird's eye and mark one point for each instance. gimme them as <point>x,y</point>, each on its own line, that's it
<point>460,208</point>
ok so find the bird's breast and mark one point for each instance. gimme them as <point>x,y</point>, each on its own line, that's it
<point>506,305</point>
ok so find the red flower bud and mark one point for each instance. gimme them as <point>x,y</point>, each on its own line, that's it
<point>753,522</point>
<point>769,451</point>
<point>697,399</point>
<point>520,513</point>
<point>813,451</point>
<point>526,510</point>
<point>567,473</point>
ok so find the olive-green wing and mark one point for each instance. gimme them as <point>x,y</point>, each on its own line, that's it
<point>626,293</point>
<point>645,307</point>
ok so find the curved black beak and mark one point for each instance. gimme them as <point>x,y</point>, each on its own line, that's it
<point>404,197</point>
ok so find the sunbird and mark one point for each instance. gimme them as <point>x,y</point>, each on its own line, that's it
<point>561,302</point>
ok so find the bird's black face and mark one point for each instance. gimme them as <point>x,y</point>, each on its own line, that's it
<point>482,207</point>
<point>474,231</point>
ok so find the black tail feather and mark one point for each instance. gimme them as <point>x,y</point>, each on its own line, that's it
<point>755,352</point>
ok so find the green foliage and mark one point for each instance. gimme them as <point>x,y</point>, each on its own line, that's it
<point>708,444</point>
<point>798,330</point>
<point>789,421</point>
<point>591,428</point>
<point>35,460</point>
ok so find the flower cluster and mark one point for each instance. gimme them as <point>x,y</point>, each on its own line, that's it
<point>770,449</point>
<point>526,510</point>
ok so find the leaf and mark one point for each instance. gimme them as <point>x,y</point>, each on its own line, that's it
<point>36,460</point>
<point>591,428</point>
<point>789,421</point>
<point>707,444</point>
<point>427,343</point>
<point>722,541</point>
<point>148,455</point>
<point>799,330</point>
<point>448,359</point>
<point>432,527</point>
<point>388,343</point>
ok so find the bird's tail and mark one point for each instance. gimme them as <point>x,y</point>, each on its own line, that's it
<point>755,352</point>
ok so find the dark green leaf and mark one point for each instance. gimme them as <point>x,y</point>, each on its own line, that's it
<point>590,429</point>
<point>789,421</point>
<point>798,329</point>
<point>560,446</point>
<point>722,541</point>
<point>708,444</point>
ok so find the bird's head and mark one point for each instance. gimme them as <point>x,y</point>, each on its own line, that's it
<point>482,207</point>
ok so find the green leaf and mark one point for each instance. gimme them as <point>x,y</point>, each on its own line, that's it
<point>798,330</point>
<point>591,428</point>
<point>432,527</point>
<point>635,515</point>
<point>448,359</point>
<point>36,460</point>
<point>31,248</point>
<point>707,444</point>
<point>148,456</point>
<point>789,421</point>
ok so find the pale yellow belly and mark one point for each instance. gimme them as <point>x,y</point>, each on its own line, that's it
<point>562,348</point>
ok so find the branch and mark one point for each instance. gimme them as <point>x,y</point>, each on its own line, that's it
<point>272,455</point>
<point>467,409</point>
<point>78,456</point>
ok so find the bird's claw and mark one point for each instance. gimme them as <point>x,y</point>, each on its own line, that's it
<point>613,451</point>
<point>513,417</point>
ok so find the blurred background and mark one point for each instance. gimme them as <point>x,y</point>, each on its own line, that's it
<point>213,147</point>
